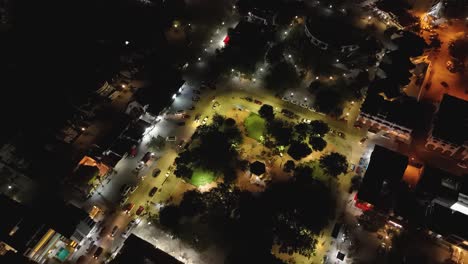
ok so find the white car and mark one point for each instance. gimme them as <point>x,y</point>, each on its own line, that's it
<point>171,138</point>
<point>133,188</point>
<point>205,120</point>
<point>129,228</point>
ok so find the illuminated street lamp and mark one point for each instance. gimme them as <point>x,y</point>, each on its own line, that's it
<point>222,23</point>
<point>9,187</point>
<point>369,17</point>
<point>292,94</point>
<point>123,85</point>
<point>285,33</point>
<point>331,6</point>
<point>211,41</point>
<point>289,56</point>
<point>331,77</point>
<point>127,42</point>
<point>199,59</point>
<point>316,78</point>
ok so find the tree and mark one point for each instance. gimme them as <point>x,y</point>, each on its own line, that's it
<point>303,173</point>
<point>218,120</point>
<point>169,216</point>
<point>317,143</point>
<point>192,204</point>
<point>334,164</point>
<point>183,171</point>
<point>275,54</point>
<point>314,86</point>
<point>458,49</point>
<point>299,150</point>
<point>266,111</point>
<point>229,122</point>
<point>318,128</point>
<point>280,131</point>
<point>329,102</point>
<point>156,143</point>
<point>289,166</point>
<point>299,210</point>
<point>301,130</point>
<point>281,76</point>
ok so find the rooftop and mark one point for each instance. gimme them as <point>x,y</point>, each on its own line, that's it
<point>451,122</point>
<point>137,251</point>
<point>383,177</point>
<point>400,111</point>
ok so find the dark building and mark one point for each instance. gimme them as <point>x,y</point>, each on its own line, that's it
<point>396,117</point>
<point>38,233</point>
<point>137,251</point>
<point>383,178</point>
<point>449,130</point>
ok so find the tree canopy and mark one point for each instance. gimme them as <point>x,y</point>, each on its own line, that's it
<point>334,164</point>
<point>298,150</point>
<point>281,76</point>
<point>318,128</point>
<point>266,112</point>
<point>317,143</point>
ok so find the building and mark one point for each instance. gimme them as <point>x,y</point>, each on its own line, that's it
<point>383,178</point>
<point>14,175</point>
<point>38,234</point>
<point>330,29</point>
<point>394,118</point>
<point>448,134</point>
<point>262,16</point>
<point>137,251</point>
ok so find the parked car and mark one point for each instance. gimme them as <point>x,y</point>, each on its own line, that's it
<point>362,140</point>
<point>148,155</point>
<point>114,231</point>
<point>133,151</point>
<point>181,144</point>
<point>133,188</point>
<point>197,118</point>
<point>98,253</point>
<point>185,116</point>
<point>171,138</point>
<point>153,191</point>
<point>156,173</point>
<point>129,228</point>
<point>258,102</point>
<point>140,210</point>
<point>125,189</point>
<point>444,84</point>
<point>139,166</point>
<point>128,207</point>
<point>123,201</point>
<point>205,120</point>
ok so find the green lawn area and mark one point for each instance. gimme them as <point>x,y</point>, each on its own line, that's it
<point>201,177</point>
<point>255,126</point>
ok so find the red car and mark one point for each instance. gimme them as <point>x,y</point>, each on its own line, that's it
<point>140,210</point>
<point>128,207</point>
<point>133,151</point>
<point>258,102</point>
<point>147,157</point>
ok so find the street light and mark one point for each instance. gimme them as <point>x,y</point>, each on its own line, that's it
<point>127,42</point>
<point>222,23</point>
<point>199,59</point>
<point>292,94</point>
<point>337,60</point>
<point>285,32</point>
<point>331,77</point>
<point>261,69</point>
<point>316,77</point>
<point>9,187</point>
<point>211,41</point>
<point>289,56</point>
